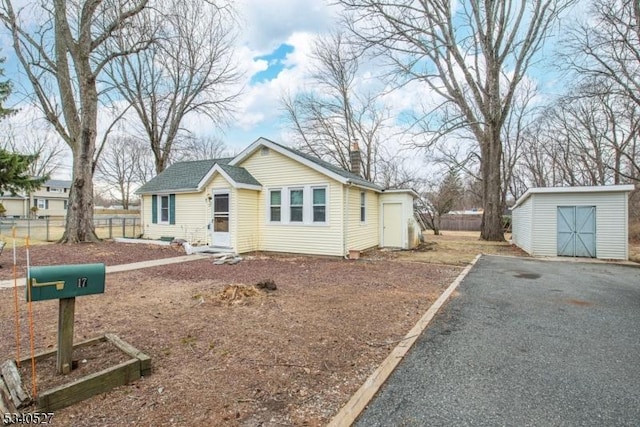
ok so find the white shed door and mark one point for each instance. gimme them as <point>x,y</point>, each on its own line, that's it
<point>392,225</point>
<point>577,231</point>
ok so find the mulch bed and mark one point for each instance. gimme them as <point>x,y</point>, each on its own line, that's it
<point>223,355</point>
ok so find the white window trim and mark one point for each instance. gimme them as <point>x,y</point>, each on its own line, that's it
<point>307,206</point>
<point>361,205</point>
<point>42,202</point>
<point>159,207</point>
<point>282,193</point>
<point>326,203</point>
<point>305,202</point>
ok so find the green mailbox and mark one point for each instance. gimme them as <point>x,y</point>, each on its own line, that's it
<point>65,281</point>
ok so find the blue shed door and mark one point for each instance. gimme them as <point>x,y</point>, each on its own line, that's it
<point>577,231</point>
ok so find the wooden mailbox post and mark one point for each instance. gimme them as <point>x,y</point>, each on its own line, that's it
<point>65,283</point>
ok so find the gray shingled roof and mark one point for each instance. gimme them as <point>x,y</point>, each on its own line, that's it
<point>239,175</point>
<point>356,179</point>
<point>187,175</point>
<point>181,176</point>
<point>57,183</point>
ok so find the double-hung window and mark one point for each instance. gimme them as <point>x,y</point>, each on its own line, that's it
<point>299,205</point>
<point>319,204</point>
<point>363,206</point>
<point>164,209</point>
<point>296,205</point>
<point>275,205</point>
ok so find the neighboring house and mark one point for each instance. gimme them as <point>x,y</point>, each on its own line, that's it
<point>51,200</point>
<point>274,198</point>
<point>573,221</point>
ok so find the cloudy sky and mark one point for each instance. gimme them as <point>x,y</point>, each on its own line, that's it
<point>273,51</point>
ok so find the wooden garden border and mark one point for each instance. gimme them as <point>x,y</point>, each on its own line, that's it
<point>96,383</point>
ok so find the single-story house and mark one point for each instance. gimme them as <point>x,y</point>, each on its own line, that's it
<point>573,221</point>
<point>274,198</point>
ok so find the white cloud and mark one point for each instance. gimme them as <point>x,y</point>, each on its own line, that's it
<point>268,23</point>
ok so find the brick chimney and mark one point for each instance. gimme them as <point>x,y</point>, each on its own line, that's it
<point>355,158</point>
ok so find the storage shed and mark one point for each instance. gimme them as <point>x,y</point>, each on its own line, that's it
<point>573,221</point>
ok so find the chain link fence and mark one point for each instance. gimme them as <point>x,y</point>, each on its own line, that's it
<point>52,229</point>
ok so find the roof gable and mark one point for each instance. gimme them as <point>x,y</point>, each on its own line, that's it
<point>239,177</point>
<point>325,168</point>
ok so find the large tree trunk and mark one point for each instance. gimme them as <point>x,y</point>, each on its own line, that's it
<point>79,224</point>
<point>491,227</point>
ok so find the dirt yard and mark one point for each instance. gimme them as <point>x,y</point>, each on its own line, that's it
<point>457,248</point>
<point>242,357</point>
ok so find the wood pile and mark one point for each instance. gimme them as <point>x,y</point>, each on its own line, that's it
<point>13,396</point>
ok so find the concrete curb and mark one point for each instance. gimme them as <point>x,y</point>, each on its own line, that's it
<point>361,398</point>
<point>5,284</point>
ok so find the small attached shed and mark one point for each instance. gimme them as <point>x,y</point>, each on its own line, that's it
<point>573,221</point>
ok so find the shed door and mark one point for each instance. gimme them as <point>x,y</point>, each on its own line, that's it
<point>392,225</point>
<point>577,231</point>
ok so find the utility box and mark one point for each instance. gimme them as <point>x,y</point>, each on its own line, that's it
<point>64,281</point>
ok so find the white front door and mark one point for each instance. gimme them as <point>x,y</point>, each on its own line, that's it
<point>221,234</point>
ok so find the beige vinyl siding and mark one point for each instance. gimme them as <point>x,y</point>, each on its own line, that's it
<point>274,170</point>
<point>409,228</point>
<point>362,235</point>
<point>246,216</point>
<point>611,222</point>
<point>15,207</point>
<point>522,226</point>
<point>191,219</point>
<point>56,208</point>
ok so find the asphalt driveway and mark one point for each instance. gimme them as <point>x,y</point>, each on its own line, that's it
<point>524,343</point>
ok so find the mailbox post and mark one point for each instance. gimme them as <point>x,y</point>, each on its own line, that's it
<point>65,283</point>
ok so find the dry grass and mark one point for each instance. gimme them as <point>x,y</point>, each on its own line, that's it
<point>458,248</point>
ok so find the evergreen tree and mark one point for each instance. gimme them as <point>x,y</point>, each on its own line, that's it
<point>14,167</point>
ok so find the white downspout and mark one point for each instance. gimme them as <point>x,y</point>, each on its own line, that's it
<point>345,222</point>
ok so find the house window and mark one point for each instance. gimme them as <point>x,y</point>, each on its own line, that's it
<point>319,205</point>
<point>164,209</point>
<point>42,203</point>
<point>296,205</point>
<point>65,204</point>
<point>275,205</point>
<point>363,206</point>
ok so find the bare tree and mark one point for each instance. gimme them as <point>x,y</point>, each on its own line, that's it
<point>473,55</point>
<point>202,149</point>
<point>588,137</point>
<point>189,69</point>
<point>330,117</point>
<point>63,57</point>
<point>440,199</point>
<point>394,171</point>
<point>606,47</point>
<point>48,149</point>
<point>120,166</point>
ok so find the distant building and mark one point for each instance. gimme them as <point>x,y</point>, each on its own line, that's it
<point>51,200</point>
